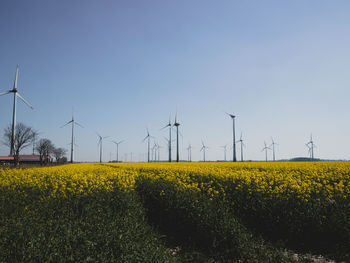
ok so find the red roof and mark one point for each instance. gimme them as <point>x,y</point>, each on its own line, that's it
<point>6,158</point>
<point>29,157</point>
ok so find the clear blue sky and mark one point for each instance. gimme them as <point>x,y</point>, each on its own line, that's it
<point>281,66</point>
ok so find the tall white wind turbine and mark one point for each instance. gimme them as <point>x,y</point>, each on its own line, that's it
<point>169,140</point>
<point>15,95</point>
<point>311,145</point>
<point>203,149</point>
<point>100,140</point>
<point>177,124</point>
<point>72,139</point>
<point>273,148</point>
<point>233,137</point>
<point>265,149</point>
<point>117,143</point>
<point>225,149</point>
<point>148,137</point>
<point>242,145</point>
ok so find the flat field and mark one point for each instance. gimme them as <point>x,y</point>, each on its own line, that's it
<point>186,212</point>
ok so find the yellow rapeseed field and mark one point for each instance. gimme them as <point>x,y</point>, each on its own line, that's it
<point>326,181</point>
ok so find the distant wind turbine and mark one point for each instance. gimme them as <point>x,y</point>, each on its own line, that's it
<point>148,137</point>
<point>265,149</point>
<point>311,145</point>
<point>177,124</point>
<point>224,147</point>
<point>158,149</point>
<point>117,143</point>
<point>100,140</point>
<point>15,95</point>
<point>233,137</point>
<point>203,149</point>
<point>154,152</point>
<point>242,145</point>
<point>189,153</point>
<point>72,139</point>
<point>273,148</point>
<point>169,140</point>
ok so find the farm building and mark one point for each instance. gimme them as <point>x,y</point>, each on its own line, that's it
<point>25,159</point>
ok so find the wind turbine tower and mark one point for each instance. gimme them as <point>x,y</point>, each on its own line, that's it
<point>273,148</point>
<point>177,124</point>
<point>233,137</point>
<point>265,149</point>
<point>242,144</point>
<point>15,95</point>
<point>72,139</point>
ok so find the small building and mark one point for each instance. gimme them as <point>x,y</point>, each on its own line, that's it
<point>30,158</point>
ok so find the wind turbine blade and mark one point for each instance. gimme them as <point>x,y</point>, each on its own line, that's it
<point>106,137</point>
<point>165,126</point>
<point>145,138</point>
<point>231,115</point>
<point>98,135</point>
<point>121,141</point>
<point>4,93</point>
<point>79,124</point>
<point>180,134</point>
<point>16,77</point>
<point>240,137</point>
<point>26,102</point>
<point>66,124</point>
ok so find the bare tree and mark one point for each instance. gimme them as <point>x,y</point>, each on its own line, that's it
<point>44,147</point>
<point>35,137</point>
<point>59,153</point>
<point>23,138</point>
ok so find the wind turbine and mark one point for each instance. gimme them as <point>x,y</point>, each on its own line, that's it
<point>154,151</point>
<point>177,124</point>
<point>158,149</point>
<point>242,144</point>
<point>311,145</point>
<point>117,143</point>
<point>15,95</point>
<point>72,139</point>
<point>203,149</point>
<point>224,147</point>
<point>265,149</point>
<point>100,140</point>
<point>148,143</point>
<point>169,141</point>
<point>273,148</point>
<point>189,152</point>
<point>233,136</point>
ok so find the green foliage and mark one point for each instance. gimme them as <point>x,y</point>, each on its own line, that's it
<point>101,227</point>
<point>205,225</point>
